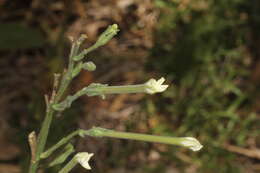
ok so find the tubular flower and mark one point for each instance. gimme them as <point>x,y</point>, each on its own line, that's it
<point>152,86</point>
<point>191,143</point>
<point>83,159</point>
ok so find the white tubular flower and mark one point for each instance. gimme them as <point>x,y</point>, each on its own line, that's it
<point>83,159</point>
<point>191,143</point>
<point>153,86</point>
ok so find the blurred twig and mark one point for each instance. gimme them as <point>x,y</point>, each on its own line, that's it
<point>252,153</point>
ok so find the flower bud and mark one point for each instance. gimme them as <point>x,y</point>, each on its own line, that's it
<point>107,35</point>
<point>90,66</point>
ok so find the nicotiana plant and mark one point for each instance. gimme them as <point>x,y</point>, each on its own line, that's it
<point>56,104</point>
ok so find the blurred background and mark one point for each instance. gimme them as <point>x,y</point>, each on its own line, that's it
<point>207,50</point>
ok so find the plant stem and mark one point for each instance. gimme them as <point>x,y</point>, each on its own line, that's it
<point>60,143</point>
<point>68,75</point>
<point>188,142</point>
<point>140,88</point>
<point>69,166</point>
<point>101,132</point>
<point>99,90</point>
<point>45,129</point>
<point>42,140</point>
<point>66,79</point>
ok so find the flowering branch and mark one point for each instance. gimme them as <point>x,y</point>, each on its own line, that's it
<point>74,67</point>
<point>150,87</point>
<point>55,104</point>
<point>188,142</point>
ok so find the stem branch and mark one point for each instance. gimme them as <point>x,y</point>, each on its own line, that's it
<point>188,142</point>
<point>66,79</point>
<point>60,143</point>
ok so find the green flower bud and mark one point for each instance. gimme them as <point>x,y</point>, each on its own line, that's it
<point>107,35</point>
<point>89,66</point>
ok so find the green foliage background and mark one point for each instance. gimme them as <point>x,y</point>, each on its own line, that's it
<point>202,46</point>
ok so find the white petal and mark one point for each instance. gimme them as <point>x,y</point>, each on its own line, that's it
<point>160,81</point>
<point>83,159</point>
<point>191,143</point>
<point>163,87</point>
<point>153,86</point>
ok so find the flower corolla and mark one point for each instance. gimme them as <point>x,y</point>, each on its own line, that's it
<point>83,159</point>
<point>152,86</point>
<point>191,143</point>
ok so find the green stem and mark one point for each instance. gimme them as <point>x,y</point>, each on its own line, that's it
<point>42,139</point>
<point>49,113</point>
<point>188,142</point>
<point>101,132</point>
<point>68,75</point>
<point>121,89</point>
<point>63,141</point>
<point>99,90</point>
<point>65,81</point>
<point>90,49</point>
<point>69,166</point>
<point>85,52</point>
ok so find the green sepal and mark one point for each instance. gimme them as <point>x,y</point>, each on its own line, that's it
<point>97,132</point>
<point>94,89</point>
<point>64,104</point>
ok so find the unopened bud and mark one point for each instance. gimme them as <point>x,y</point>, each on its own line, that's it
<point>107,35</point>
<point>90,66</point>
